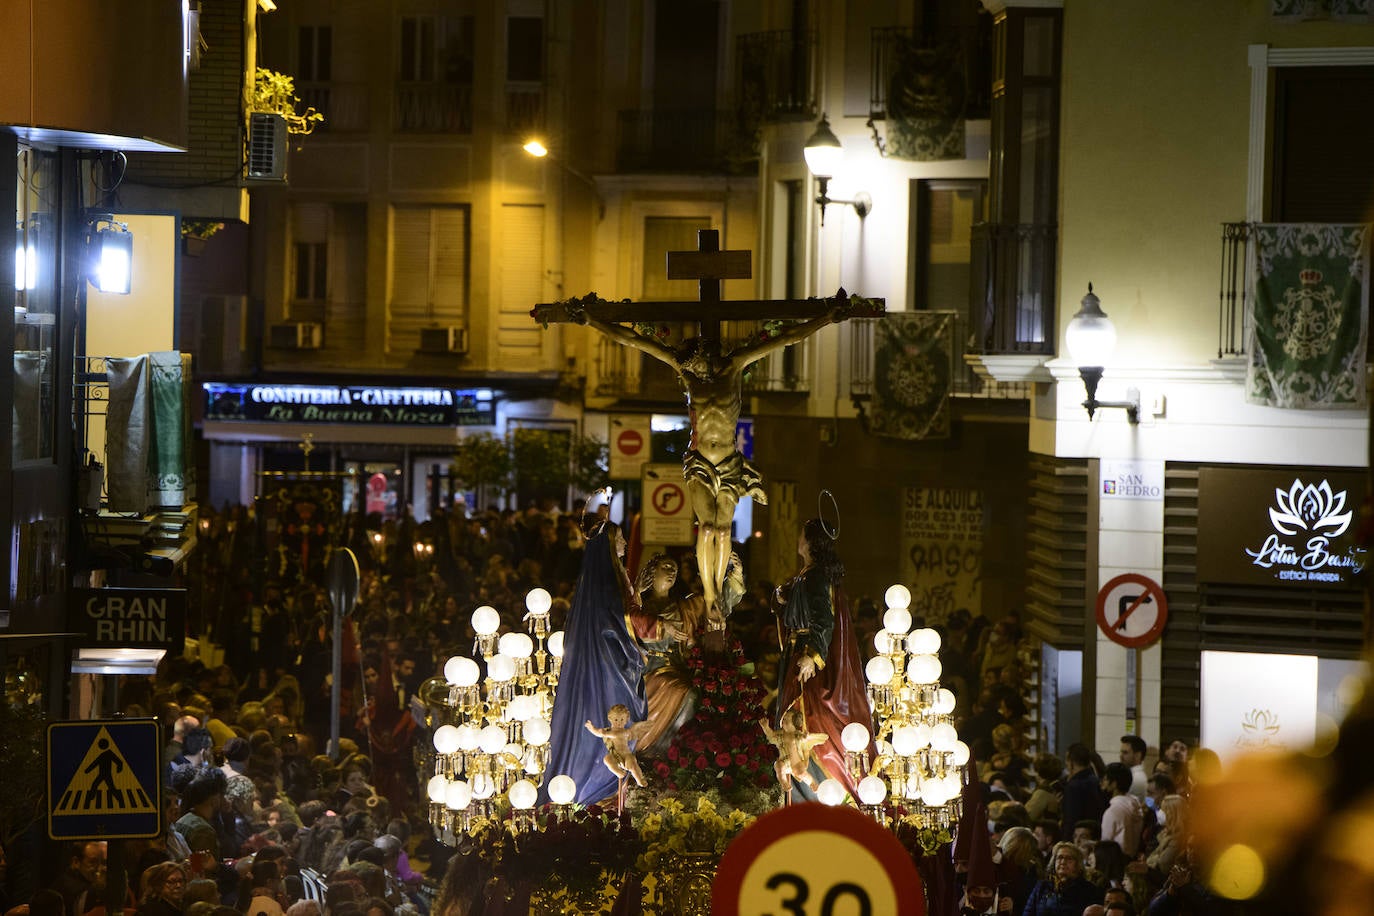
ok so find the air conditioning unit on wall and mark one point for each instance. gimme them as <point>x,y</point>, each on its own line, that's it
<point>296,335</point>
<point>266,147</point>
<point>444,340</point>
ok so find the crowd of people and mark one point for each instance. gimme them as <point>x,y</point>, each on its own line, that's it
<point>261,810</point>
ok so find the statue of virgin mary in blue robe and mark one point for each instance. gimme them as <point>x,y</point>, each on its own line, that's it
<point>602,667</point>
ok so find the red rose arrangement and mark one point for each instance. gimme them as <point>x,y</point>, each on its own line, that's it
<point>722,746</point>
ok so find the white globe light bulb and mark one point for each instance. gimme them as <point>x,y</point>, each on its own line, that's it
<point>446,739</point>
<point>461,671</point>
<point>537,732</point>
<point>924,641</point>
<point>538,601</point>
<point>555,643</point>
<point>485,620</point>
<point>492,739</point>
<point>904,741</point>
<point>483,787</point>
<point>961,753</point>
<point>897,596</point>
<point>933,793</point>
<point>437,789</point>
<point>872,790</point>
<point>516,645</point>
<point>944,701</point>
<point>879,671</point>
<point>885,643</point>
<point>831,792</point>
<point>943,737</point>
<point>562,789</point>
<point>921,732</point>
<point>923,669</point>
<point>522,794</point>
<point>897,620</point>
<point>459,795</point>
<point>501,668</point>
<point>467,738</point>
<point>854,737</point>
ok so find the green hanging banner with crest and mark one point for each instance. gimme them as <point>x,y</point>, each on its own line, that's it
<point>1307,339</point>
<point>913,374</point>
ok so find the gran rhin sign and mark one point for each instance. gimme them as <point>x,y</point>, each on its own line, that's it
<point>1277,527</point>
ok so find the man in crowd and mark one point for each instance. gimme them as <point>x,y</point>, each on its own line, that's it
<point>1125,815</point>
<point>1082,794</point>
<point>1133,755</point>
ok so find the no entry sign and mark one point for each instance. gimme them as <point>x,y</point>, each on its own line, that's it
<point>629,445</point>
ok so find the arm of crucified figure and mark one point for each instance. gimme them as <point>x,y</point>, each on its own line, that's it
<point>841,307</point>
<point>630,338</point>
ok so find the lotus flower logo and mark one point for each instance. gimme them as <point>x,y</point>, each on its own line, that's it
<point>1261,722</point>
<point>1310,508</point>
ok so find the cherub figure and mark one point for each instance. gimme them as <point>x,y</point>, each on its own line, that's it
<point>619,759</point>
<point>794,746</point>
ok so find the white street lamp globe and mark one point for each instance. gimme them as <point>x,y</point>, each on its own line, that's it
<point>831,792</point>
<point>897,620</point>
<point>483,787</point>
<point>961,753</point>
<point>562,789</point>
<point>943,737</point>
<point>516,645</point>
<point>555,643</point>
<point>872,790</point>
<point>933,792</point>
<point>953,784</point>
<point>897,596</point>
<point>467,738</point>
<point>492,739</point>
<point>538,601</point>
<point>520,708</point>
<point>854,737</point>
<point>522,794</point>
<point>885,643</point>
<point>485,620</point>
<point>879,670</point>
<point>923,669</point>
<point>446,739</point>
<point>461,671</point>
<point>501,668</point>
<point>944,701</point>
<point>904,741</point>
<point>924,641</point>
<point>537,732</point>
<point>1090,336</point>
<point>921,731</point>
<point>437,790</point>
<point>459,795</point>
<point>823,151</point>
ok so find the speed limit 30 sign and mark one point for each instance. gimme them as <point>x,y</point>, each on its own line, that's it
<point>815,860</point>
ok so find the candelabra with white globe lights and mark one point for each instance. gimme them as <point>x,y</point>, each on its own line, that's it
<point>920,762</point>
<point>495,733</point>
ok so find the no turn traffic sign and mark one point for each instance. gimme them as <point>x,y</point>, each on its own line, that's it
<point>819,861</point>
<point>1132,610</point>
<point>667,511</point>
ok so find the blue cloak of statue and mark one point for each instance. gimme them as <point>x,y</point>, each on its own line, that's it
<point>602,667</point>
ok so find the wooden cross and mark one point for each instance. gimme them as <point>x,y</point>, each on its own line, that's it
<point>709,266</point>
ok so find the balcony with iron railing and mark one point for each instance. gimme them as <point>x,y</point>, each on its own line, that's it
<point>919,79</point>
<point>775,75</point>
<point>344,105</point>
<point>425,107</point>
<point>524,106</point>
<point>693,140</point>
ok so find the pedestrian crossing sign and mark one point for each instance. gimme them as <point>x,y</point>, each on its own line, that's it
<point>103,780</point>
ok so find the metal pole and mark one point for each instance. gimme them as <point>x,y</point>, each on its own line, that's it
<point>336,682</point>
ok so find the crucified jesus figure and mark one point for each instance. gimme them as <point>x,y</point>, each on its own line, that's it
<point>717,474</point>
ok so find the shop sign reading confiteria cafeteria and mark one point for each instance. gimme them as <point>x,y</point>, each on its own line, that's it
<point>349,404</point>
<point>1279,526</point>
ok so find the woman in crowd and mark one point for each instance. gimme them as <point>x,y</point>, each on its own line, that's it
<point>1064,892</point>
<point>1020,867</point>
<point>161,888</point>
<point>821,669</point>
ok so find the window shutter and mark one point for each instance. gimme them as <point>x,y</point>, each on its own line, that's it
<point>522,280</point>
